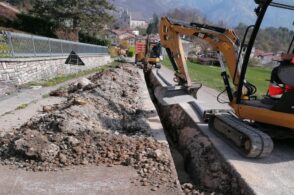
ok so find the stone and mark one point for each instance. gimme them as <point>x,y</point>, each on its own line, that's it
<point>73,141</point>
<point>47,108</point>
<point>79,101</point>
<point>144,183</point>
<point>49,152</point>
<point>83,82</point>
<point>62,158</point>
<point>189,186</point>
<point>85,162</point>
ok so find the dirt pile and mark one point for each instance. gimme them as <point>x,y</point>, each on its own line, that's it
<point>100,123</point>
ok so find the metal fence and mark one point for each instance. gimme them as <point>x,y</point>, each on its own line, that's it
<point>23,45</point>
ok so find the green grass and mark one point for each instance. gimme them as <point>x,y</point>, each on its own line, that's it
<point>45,96</point>
<point>210,76</point>
<point>63,78</point>
<point>23,106</point>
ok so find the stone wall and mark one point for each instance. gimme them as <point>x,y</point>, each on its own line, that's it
<point>24,70</point>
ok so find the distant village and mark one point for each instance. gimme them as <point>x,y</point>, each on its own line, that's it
<point>127,29</point>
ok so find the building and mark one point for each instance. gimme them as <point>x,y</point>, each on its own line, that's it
<point>138,24</point>
<point>267,58</point>
<point>125,20</point>
<point>117,36</point>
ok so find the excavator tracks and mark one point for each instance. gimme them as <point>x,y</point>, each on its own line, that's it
<point>250,142</point>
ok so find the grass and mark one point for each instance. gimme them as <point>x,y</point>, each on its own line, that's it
<point>45,96</point>
<point>63,78</point>
<point>23,106</point>
<point>210,76</point>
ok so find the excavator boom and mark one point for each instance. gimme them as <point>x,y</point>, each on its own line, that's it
<point>222,40</point>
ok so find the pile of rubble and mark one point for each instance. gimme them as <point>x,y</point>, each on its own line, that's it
<point>100,123</point>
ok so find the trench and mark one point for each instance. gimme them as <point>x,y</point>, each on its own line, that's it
<point>196,160</point>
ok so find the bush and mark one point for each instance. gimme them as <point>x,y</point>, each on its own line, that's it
<point>124,45</point>
<point>33,25</point>
<point>113,51</point>
<point>85,38</point>
<point>131,52</point>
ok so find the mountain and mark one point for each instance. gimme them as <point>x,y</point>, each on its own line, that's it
<point>232,12</point>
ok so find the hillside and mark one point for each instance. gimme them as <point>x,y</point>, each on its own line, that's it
<point>232,12</point>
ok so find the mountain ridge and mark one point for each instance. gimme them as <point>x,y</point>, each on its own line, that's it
<point>231,12</point>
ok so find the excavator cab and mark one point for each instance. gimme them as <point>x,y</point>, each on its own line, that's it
<point>281,86</point>
<point>249,128</point>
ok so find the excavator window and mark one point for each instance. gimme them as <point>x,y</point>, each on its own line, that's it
<point>156,51</point>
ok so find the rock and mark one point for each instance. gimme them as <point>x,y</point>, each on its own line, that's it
<point>78,150</point>
<point>62,158</point>
<point>59,93</point>
<point>85,162</point>
<point>144,183</point>
<point>161,168</point>
<point>73,141</point>
<point>189,186</point>
<point>79,101</point>
<point>34,144</point>
<point>49,152</point>
<point>158,153</point>
<point>82,83</point>
<point>47,109</point>
<point>154,189</point>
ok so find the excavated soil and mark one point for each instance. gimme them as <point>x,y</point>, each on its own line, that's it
<point>207,169</point>
<point>100,123</point>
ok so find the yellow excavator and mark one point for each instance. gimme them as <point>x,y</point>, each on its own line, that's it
<point>254,121</point>
<point>148,53</point>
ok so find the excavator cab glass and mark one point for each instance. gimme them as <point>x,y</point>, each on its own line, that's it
<point>272,54</point>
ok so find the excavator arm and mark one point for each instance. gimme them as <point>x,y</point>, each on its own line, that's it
<point>222,40</point>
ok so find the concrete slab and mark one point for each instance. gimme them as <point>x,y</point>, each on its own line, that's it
<point>271,175</point>
<point>14,119</point>
<point>116,180</point>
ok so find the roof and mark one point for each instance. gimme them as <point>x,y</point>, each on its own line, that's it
<point>123,34</point>
<point>7,11</point>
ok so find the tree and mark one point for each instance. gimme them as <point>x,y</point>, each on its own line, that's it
<point>88,16</point>
<point>153,27</point>
<point>187,14</point>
